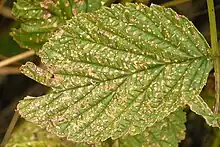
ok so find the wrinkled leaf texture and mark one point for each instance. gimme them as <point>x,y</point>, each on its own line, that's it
<point>117,71</point>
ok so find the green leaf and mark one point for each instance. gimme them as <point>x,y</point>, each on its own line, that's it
<point>170,133</point>
<point>167,133</point>
<point>28,134</point>
<point>40,18</point>
<point>118,71</point>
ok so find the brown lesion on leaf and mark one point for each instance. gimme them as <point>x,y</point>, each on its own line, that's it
<point>79,1</point>
<point>74,11</point>
<point>46,15</point>
<point>43,74</point>
<point>79,4</point>
<point>46,3</point>
<point>67,4</point>
<point>56,79</point>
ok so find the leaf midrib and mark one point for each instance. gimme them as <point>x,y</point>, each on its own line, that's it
<point>129,104</point>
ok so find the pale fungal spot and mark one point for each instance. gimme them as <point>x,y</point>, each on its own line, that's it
<point>59,34</point>
<point>74,11</point>
<point>47,15</point>
<point>67,4</point>
<point>55,24</point>
<point>37,40</point>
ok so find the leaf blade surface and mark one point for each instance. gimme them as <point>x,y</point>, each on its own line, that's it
<point>167,133</point>
<point>116,72</point>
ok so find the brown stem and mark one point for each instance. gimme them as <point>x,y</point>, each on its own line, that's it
<point>16,58</point>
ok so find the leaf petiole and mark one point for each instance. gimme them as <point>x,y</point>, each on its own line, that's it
<point>215,52</point>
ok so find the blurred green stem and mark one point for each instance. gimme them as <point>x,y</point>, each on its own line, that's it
<point>215,52</point>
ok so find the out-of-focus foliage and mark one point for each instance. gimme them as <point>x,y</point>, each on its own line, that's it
<point>40,18</point>
<point>8,47</point>
<point>28,134</point>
